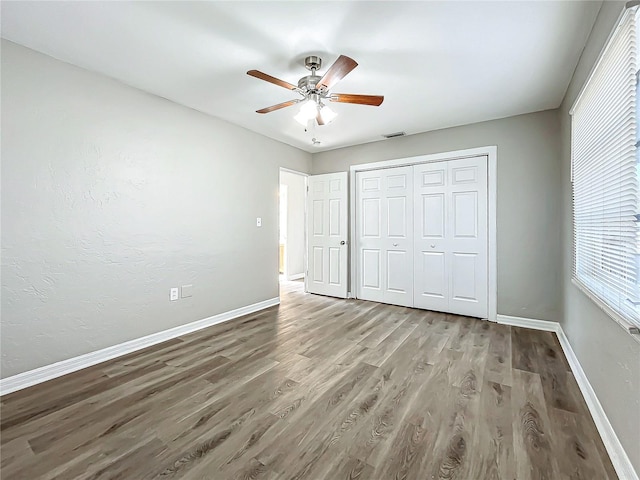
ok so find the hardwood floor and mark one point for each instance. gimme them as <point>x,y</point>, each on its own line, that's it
<point>316,388</point>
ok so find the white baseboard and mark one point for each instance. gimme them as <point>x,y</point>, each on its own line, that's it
<point>54,370</point>
<point>616,451</point>
<point>297,276</point>
<point>545,325</point>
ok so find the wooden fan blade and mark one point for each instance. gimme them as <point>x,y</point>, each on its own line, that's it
<point>277,107</point>
<point>337,72</point>
<point>373,100</point>
<point>270,79</point>
<point>319,118</point>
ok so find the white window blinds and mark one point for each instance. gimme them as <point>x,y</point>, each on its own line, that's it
<point>605,170</point>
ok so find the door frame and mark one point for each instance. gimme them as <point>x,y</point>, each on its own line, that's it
<point>283,189</point>
<point>491,152</point>
<point>306,192</point>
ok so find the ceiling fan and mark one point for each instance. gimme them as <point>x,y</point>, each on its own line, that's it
<point>314,89</point>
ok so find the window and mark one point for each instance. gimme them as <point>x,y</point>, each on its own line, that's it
<point>605,171</point>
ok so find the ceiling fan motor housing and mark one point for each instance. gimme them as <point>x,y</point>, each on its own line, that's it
<point>313,63</point>
<point>309,82</point>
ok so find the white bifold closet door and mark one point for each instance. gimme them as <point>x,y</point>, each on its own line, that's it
<point>422,236</point>
<point>385,235</point>
<point>451,272</point>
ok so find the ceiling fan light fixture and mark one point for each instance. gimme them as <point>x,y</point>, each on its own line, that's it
<point>309,109</point>
<point>327,114</point>
<point>302,119</point>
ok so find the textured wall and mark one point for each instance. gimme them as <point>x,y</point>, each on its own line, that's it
<point>529,249</point>
<point>110,196</point>
<point>609,355</point>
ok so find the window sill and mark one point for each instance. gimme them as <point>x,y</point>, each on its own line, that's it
<point>622,322</point>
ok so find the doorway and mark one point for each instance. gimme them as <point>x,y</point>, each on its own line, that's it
<point>292,240</point>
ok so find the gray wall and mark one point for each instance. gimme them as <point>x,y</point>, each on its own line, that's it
<point>110,196</point>
<point>609,355</point>
<point>529,249</point>
<point>295,248</point>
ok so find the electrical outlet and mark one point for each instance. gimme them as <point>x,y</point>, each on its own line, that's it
<point>173,294</point>
<point>259,222</point>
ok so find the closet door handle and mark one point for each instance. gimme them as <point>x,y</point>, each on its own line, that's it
<point>433,245</point>
<point>395,244</point>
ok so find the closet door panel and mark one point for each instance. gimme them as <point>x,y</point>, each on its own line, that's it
<point>370,233</point>
<point>433,215</point>
<point>371,275</point>
<point>385,235</point>
<point>431,280</point>
<point>468,223</point>
<point>398,216</point>
<point>465,215</point>
<point>464,268</point>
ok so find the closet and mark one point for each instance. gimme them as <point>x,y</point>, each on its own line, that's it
<point>422,236</point>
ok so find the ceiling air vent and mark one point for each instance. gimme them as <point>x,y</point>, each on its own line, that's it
<point>393,135</point>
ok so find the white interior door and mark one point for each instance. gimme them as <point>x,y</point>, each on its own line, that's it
<point>385,235</point>
<point>451,241</point>
<point>327,235</point>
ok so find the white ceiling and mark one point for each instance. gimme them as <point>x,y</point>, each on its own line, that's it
<point>438,64</point>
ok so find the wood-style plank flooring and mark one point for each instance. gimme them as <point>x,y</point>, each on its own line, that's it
<point>317,388</point>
